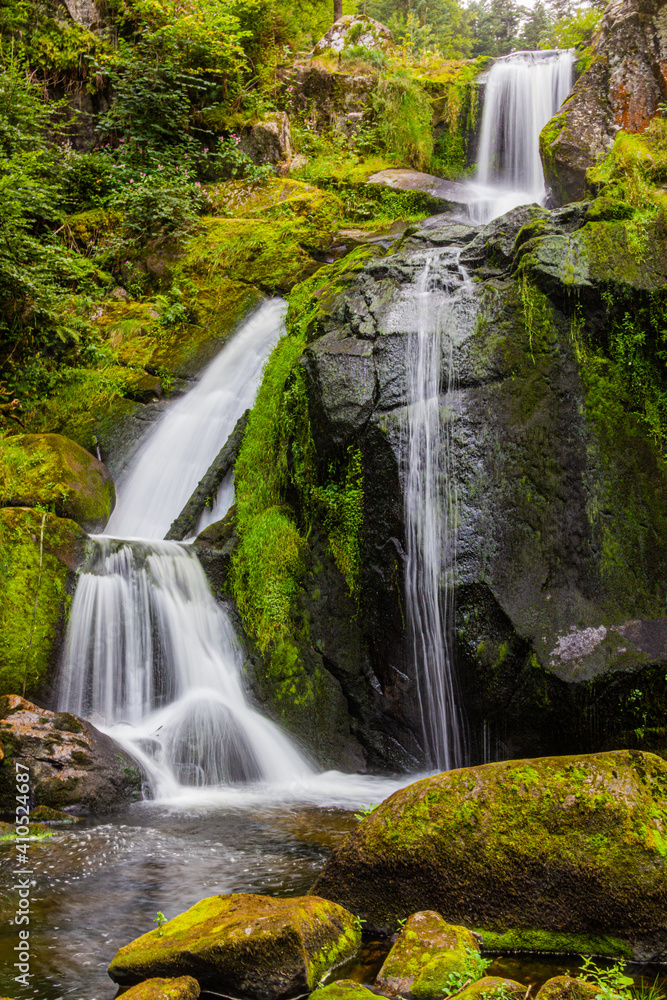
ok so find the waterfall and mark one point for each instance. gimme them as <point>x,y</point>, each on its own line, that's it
<point>150,657</point>
<point>523,91</point>
<point>445,312</point>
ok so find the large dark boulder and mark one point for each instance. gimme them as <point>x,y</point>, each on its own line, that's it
<point>72,765</point>
<point>570,844</point>
<point>622,89</point>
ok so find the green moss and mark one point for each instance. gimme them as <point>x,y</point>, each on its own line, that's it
<point>554,943</point>
<point>37,832</point>
<point>244,940</point>
<point>37,553</point>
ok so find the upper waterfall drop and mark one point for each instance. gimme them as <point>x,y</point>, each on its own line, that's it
<point>523,91</point>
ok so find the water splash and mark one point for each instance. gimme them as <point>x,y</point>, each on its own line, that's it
<point>445,311</point>
<point>150,657</point>
<point>523,91</point>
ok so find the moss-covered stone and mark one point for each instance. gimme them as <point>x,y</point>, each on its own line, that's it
<point>570,844</point>
<point>182,988</point>
<point>493,988</point>
<point>555,943</point>
<point>345,989</point>
<point>427,952</point>
<point>52,472</point>
<point>53,817</point>
<point>36,831</point>
<point>245,945</point>
<point>39,554</point>
<point>568,988</point>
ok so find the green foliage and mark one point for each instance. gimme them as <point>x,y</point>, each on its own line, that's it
<point>612,982</point>
<point>341,503</point>
<point>159,920</point>
<point>473,969</point>
<point>366,811</point>
<point>401,113</point>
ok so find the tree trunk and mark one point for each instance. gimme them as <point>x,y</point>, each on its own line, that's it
<point>338,9</point>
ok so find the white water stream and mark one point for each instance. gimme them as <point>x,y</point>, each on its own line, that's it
<point>523,91</point>
<point>150,657</point>
<point>445,313</point>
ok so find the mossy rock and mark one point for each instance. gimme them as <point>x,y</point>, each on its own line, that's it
<point>573,844</point>
<point>182,988</point>
<point>345,989</point>
<point>245,945</point>
<point>491,987</point>
<point>50,471</point>
<point>555,943</point>
<point>568,988</point>
<point>39,554</point>
<point>53,817</point>
<point>38,831</point>
<point>427,951</point>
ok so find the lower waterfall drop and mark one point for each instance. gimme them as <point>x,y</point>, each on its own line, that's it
<point>445,312</point>
<point>150,657</point>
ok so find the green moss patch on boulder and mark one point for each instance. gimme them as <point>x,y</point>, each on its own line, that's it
<point>39,554</point>
<point>492,987</point>
<point>83,771</point>
<point>54,817</point>
<point>50,471</point>
<point>38,831</point>
<point>424,957</point>
<point>555,943</point>
<point>345,989</point>
<point>575,844</point>
<point>568,988</point>
<point>245,945</point>
<point>182,988</point>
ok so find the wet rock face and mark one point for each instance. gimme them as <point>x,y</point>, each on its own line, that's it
<point>621,90</point>
<point>72,765</point>
<point>561,559</point>
<point>268,141</point>
<point>569,844</point>
<point>245,945</point>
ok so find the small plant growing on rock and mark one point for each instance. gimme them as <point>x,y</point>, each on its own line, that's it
<point>366,810</point>
<point>612,983</point>
<point>473,969</point>
<point>159,920</point>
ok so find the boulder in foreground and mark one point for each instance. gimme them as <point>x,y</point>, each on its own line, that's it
<point>428,951</point>
<point>183,988</point>
<point>493,988</point>
<point>245,945</point>
<point>568,988</point>
<point>571,844</point>
<point>345,989</point>
<point>72,765</point>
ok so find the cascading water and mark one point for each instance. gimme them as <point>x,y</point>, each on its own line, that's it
<point>523,91</point>
<point>150,656</point>
<point>445,311</point>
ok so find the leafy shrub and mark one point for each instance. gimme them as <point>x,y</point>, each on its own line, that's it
<point>401,113</point>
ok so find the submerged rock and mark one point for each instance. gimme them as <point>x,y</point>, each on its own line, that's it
<point>572,844</point>
<point>245,945</point>
<point>72,765</point>
<point>182,988</point>
<point>424,957</point>
<point>568,988</point>
<point>53,472</point>
<point>621,90</point>
<point>39,554</point>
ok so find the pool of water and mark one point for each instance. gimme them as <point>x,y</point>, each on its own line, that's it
<point>99,885</point>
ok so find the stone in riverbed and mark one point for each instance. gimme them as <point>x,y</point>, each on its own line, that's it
<point>568,988</point>
<point>183,988</point>
<point>72,765</point>
<point>572,844</point>
<point>491,988</point>
<point>427,951</point>
<point>245,945</point>
<point>345,989</point>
